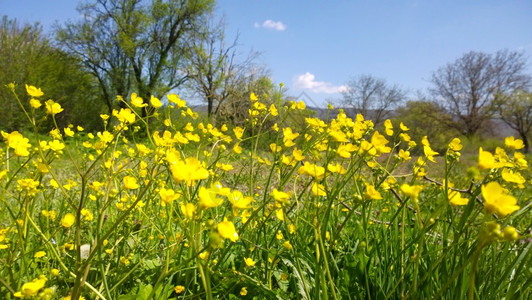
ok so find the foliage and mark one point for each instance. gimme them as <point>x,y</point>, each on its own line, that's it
<point>133,45</point>
<point>468,86</point>
<point>26,56</point>
<point>426,118</point>
<point>323,212</point>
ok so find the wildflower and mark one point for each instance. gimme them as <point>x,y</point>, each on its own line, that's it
<point>253,97</point>
<point>289,136</point>
<point>54,272</point>
<point>312,170</point>
<point>33,91</point>
<point>510,234</point>
<point>35,103</point>
<point>411,191</point>
<point>208,198</point>
<point>404,155</point>
<point>238,131</point>
<point>56,145</point>
<point>178,289</point>
<point>486,160</point>
<point>497,199</point>
<point>513,143</point>
<point>174,98</point>
<point>68,220</point>
<point>243,291</point>
<point>137,101</point>
<point>87,214</point>
<point>188,209</point>
<point>53,108</point>
<point>455,145</point>
<point>287,245</point>
<point>280,196</point>
<point>39,254</point>
<point>429,153</point>
<point>155,102</point>
<point>238,200</point>
<point>32,288</point>
<point>336,168</point>
<point>125,115</point>
<point>511,176</point>
<point>130,183</point>
<point>167,196</point>
<point>16,141</point>
<point>403,127</point>
<point>455,198</point>
<point>318,189</point>
<point>190,170</point>
<point>249,261</point>
<point>275,148</point>
<point>345,150</point>
<point>388,127</point>
<point>273,110</point>
<point>69,132</point>
<point>372,193</point>
<point>379,142</point>
<point>227,230</point>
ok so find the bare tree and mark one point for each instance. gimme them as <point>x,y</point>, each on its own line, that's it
<point>372,97</point>
<point>516,111</point>
<point>213,69</point>
<point>468,86</point>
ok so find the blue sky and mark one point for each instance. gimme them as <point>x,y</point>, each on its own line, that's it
<point>317,46</point>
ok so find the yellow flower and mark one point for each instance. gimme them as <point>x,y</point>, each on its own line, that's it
<point>253,97</point>
<point>455,198</point>
<point>69,132</point>
<point>372,193</point>
<point>379,142</point>
<point>312,170</point>
<point>68,220</point>
<point>318,189</point>
<point>275,148</point>
<point>513,143</point>
<point>486,160</point>
<point>167,196</point>
<point>280,196</point>
<point>403,127</point>
<point>497,199</point>
<point>54,272</point>
<point>243,291</point>
<point>174,98</point>
<point>35,103</point>
<point>404,155</point>
<point>208,198</point>
<point>411,191</point>
<point>56,145</point>
<point>33,91</point>
<point>16,141</point>
<point>455,145</point>
<point>249,261</point>
<point>510,234</point>
<point>273,110</point>
<point>188,209</point>
<point>32,288</point>
<point>155,102</point>
<point>130,183</point>
<point>87,214</point>
<point>511,176</point>
<point>179,289</point>
<point>125,115</point>
<point>388,127</point>
<point>287,245</point>
<point>238,132</point>
<point>429,153</point>
<point>137,101</point>
<point>227,230</point>
<point>238,200</point>
<point>190,170</point>
<point>39,254</point>
<point>53,108</point>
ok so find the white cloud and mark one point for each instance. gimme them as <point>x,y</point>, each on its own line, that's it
<point>279,26</point>
<point>307,81</point>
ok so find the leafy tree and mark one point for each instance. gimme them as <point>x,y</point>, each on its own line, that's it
<point>372,97</point>
<point>134,45</point>
<point>516,111</point>
<point>26,57</point>
<point>468,86</point>
<point>426,118</point>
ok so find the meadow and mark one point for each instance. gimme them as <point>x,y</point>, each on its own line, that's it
<point>170,206</point>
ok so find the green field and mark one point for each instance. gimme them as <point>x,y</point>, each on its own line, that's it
<point>171,206</point>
